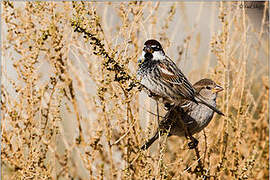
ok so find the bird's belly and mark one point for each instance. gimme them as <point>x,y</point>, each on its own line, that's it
<point>157,89</point>
<point>197,121</point>
<point>202,119</point>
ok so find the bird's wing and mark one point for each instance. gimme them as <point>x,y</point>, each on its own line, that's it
<point>170,73</point>
<point>186,106</point>
<point>178,116</point>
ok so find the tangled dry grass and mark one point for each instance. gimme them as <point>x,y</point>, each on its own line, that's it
<point>71,107</point>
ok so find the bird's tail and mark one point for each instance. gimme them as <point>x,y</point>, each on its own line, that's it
<point>208,105</point>
<point>150,141</point>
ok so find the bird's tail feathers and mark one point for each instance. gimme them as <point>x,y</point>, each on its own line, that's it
<point>150,141</point>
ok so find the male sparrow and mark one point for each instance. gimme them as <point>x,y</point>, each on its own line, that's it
<point>194,117</point>
<point>163,80</point>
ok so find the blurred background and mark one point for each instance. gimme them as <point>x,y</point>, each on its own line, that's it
<point>71,108</point>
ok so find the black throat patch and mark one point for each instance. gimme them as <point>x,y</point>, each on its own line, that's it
<point>148,56</point>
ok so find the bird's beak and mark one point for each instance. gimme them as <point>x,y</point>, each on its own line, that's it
<point>217,89</point>
<point>148,49</point>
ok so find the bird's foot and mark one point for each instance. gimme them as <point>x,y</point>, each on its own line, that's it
<point>152,95</point>
<point>168,106</point>
<point>193,144</point>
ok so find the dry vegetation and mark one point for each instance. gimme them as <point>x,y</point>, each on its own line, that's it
<point>71,107</point>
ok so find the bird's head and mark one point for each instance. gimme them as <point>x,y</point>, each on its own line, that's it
<point>207,88</point>
<point>152,50</point>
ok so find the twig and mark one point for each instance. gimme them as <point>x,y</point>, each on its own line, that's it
<point>154,114</point>
<point>205,148</point>
<point>194,141</point>
<point>200,165</point>
<point>117,141</point>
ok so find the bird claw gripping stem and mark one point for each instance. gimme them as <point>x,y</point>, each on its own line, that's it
<point>193,144</point>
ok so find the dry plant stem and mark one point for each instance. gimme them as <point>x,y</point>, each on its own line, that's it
<point>157,104</point>
<point>205,148</point>
<point>194,141</point>
<point>200,165</point>
<point>159,140</point>
<point>157,111</point>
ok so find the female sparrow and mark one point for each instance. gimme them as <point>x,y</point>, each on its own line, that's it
<point>163,80</point>
<point>194,117</point>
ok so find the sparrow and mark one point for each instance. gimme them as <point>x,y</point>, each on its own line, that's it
<point>163,80</point>
<point>190,115</point>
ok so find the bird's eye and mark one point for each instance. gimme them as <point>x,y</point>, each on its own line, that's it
<point>155,48</point>
<point>208,87</point>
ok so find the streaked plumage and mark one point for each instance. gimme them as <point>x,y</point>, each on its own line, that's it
<point>163,80</point>
<point>195,116</point>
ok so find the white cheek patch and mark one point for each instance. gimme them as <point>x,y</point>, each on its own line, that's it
<point>158,55</point>
<point>141,58</point>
